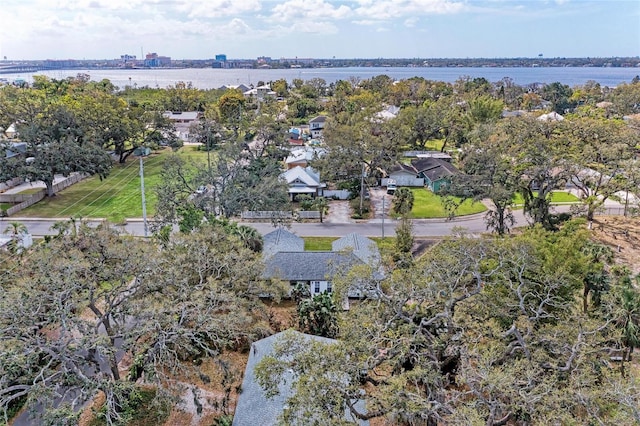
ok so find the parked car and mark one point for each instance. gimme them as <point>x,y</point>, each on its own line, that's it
<point>391,186</point>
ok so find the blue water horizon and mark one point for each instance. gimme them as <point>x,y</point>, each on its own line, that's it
<point>214,78</point>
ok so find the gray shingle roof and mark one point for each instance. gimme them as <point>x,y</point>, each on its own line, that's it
<point>435,168</point>
<point>364,248</point>
<point>254,408</point>
<point>308,265</point>
<point>281,240</point>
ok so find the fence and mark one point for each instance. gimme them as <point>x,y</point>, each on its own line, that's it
<point>310,214</point>
<point>33,198</point>
<point>269,215</point>
<point>266,215</point>
<point>18,198</point>
<point>340,194</point>
<point>27,200</point>
<point>10,183</point>
<point>75,178</point>
<point>618,211</point>
<point>404,181</point>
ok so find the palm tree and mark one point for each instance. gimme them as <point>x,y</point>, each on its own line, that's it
<point>321,204</point>
<point>403,201</point>
<point>16,231</point>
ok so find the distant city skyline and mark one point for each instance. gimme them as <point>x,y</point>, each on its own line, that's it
<point>200,29</point>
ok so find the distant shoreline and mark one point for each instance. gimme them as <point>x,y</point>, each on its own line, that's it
<point>21,66</point>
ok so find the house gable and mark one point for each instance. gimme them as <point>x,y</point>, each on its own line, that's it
<point>281,240</point>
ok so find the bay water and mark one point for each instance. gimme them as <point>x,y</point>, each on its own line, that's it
<point>212,78</point>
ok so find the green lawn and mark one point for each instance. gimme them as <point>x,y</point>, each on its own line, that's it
<point>434,144</point>
<point>114,198</point>
<point>318,243</point>
<point>429,205</point>
<point>324,243</point>
<point>556,197</point>
<point>30,191</point>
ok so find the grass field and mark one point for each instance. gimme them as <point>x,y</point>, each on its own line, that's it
<point>324,243</point>
<point>428,205</point>
<point>114,198</point>
<point>30,191</point>
<point>318,243</point>
<point>556,197</point>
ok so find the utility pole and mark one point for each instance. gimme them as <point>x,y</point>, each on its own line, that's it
<point>144,203</point>
<point>361,188</point>
<point>383,197</point>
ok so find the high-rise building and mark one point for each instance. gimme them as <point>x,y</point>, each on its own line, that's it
<point>154,60</point>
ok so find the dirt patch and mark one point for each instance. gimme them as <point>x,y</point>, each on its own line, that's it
<point>622,234</point>
<point>203,392</point>
<point>282,315</point>
<point>339,212</point>
<point>421,246</point>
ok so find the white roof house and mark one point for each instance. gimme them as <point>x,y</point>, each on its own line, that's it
<point>302,156</point>
<point>303,181</point>
<point>552,116</point>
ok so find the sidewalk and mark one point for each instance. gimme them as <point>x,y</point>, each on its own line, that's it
<point>30,185</point>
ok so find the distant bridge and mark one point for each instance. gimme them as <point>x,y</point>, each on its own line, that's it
<point>25,68</point>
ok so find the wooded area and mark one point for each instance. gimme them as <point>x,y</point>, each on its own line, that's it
<point>528,326</point>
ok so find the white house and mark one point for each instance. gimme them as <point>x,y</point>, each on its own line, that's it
<point>316,125</point>
<point>303,180</point>
<point>182,121</point>
<point>302,156</point>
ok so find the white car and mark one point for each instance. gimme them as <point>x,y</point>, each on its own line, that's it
<point>391,186</point>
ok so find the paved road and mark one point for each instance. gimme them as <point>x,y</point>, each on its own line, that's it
<point>372,228</point>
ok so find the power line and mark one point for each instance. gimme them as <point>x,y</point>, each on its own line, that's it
<point>115,190</point>
<point>121,189</point>
<point>95,190</point>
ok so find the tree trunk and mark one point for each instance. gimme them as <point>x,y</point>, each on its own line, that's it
<point>585,298</point>
<point>50,192</point>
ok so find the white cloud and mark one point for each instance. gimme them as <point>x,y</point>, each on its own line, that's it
<point>309,10</point>
<point>391,9</point>
<point>411,22</point>
<point>219,8</point>
<point>236,26</point>
<point>366,22</point>
<point>314,27</point>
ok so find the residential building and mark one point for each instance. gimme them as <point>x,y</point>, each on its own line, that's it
<point>241,87</point>
<point>301,156</point>
<point>254,408</point>
<point>303,180</point>
<point>431,172</point>
<point>286,259</point>
<point>316,125</point>
<point>182,121</point>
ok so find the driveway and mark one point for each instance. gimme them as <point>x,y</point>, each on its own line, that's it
<point>339,212</point>
<point>380,203</point>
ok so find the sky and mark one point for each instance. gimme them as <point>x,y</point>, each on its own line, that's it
<point>200,29</point>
